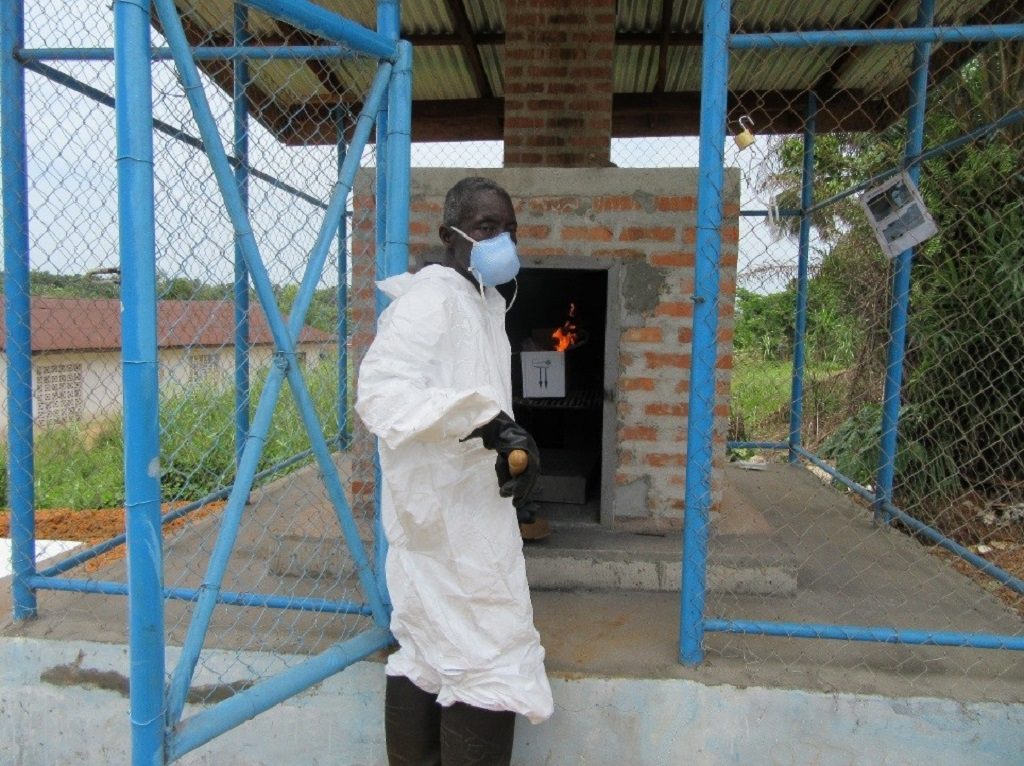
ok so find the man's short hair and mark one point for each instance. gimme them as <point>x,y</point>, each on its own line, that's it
<point>459,201</point>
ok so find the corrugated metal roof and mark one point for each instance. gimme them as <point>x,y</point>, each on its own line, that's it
<point>442,73</point>
<point>444,67</point>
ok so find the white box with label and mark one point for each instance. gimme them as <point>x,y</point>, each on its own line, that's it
<point>543,374</point>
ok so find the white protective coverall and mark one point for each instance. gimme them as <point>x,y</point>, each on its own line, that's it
<point>439,367</point>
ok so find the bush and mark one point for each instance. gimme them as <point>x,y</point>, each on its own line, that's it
<point>921,470</point>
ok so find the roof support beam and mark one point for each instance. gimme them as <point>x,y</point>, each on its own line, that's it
<point>666,35</point>
<point>633,115</point>
<point>469,47</point>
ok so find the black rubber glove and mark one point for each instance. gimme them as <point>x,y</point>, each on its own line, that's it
<point>503,435</point>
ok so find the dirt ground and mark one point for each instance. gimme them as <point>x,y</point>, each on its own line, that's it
<point>95,526</point>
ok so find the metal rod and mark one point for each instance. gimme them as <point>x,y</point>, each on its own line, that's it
<point>17,313</point>
<point>796,399</point>
<point>388,24</point>
<point>204,726</point>
<point>318,20</point>
<point>757,445</point>
<point>140,373</point>
<point>231,520</point>
<point>849,37</point>
<point>396,244</point>
<point>859,633</point>
<point>240,146</point>
<point>399,139</point>
<point>318,256</point>
<point>784,213</point>
<point>344,440</point>
<point>229,598</point>
<point>700,427</point>
<point>920,527</point>
<point>900,309</point>
<point>99,96</point>
<point>1007,579</point>
<point>201,53</point>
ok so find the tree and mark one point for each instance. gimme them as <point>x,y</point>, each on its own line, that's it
<point>962,420</point>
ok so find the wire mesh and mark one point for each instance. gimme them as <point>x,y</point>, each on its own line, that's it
<point>958,464</point>
<point>834,561</point>
<point>289,551</point>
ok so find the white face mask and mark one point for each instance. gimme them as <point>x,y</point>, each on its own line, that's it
<point>492,261</point>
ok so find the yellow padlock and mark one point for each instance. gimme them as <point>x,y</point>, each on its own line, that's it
<point>745,137</point>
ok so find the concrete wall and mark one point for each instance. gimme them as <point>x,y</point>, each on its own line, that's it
<point>640,225</point>
<point>64,702</point>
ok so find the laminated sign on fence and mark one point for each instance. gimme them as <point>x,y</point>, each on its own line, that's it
<point>898,215</point>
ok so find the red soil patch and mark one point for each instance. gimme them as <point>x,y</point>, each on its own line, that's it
<point>92,526</point>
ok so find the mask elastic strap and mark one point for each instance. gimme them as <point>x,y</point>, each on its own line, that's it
<point>479,280</point>
<point>515,293</point>
<point>464,234</point>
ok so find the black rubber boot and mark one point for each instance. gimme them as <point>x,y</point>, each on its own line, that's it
<point>471,736</point>
<point>412,724</point>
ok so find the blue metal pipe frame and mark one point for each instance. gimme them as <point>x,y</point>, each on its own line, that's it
<point>344,440</point>
<point>700,427</point>
<point>900,310</point>
<point>240,146</point>
<point>17,312</point>
<point>204,726</point>
<point>389,24</point>
<point>140,372</point>
<point>284,335</point>
<point>796,399</point>
<point>200,53</point>
<point>860,633</point>
<point>922,33</point>
<point>230,598</point>
<point>320,21</point>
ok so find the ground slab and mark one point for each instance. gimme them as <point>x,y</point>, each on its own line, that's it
<point>613,656</point>
<point>47,719</point>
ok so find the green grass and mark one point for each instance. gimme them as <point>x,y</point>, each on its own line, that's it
<point>79,466</point>
<point>761,390</point>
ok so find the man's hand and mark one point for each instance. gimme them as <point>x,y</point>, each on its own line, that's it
<point>516,477</point>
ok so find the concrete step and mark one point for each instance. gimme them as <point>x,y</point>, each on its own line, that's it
<point>585,557</point>
<point>592,557</point>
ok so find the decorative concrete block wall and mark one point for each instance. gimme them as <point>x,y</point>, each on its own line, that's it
<point>640,226</point>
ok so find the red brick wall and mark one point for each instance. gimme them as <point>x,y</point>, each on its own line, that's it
<point>558,83</point>
<point>641,225</point>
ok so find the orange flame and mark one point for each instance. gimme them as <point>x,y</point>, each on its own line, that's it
<point>566,335</point>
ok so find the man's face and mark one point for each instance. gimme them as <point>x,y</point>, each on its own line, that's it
<point>490,215</point>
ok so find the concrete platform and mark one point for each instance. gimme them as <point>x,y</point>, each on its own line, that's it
<point>622,696</point>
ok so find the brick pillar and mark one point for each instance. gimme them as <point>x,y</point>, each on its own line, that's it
<point>559,60</point>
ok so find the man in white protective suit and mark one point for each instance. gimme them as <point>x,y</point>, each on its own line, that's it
<point>435,388</point>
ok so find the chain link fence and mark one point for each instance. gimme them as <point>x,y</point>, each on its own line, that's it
<point>291,588</point>
<point>832,559</point>
<point>937,548</point>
